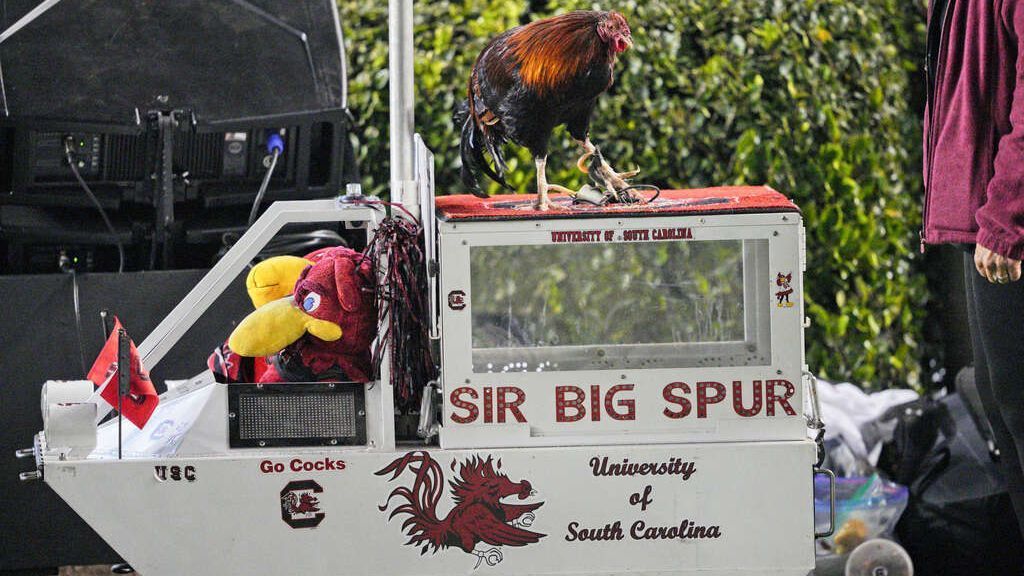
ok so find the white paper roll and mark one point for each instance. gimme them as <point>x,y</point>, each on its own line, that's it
<point>64,392</point>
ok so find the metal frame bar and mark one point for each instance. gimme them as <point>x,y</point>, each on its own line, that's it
<point>402,103</point>
<point>33,14</point>
<point>425,182</point>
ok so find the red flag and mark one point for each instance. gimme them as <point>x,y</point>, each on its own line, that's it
<point>142,398</point>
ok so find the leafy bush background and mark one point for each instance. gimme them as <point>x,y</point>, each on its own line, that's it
<point>809,96</point>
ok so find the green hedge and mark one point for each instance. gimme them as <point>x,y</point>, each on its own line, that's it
<point>810,97</point>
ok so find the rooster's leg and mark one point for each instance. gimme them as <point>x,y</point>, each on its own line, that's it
<point>588,151</point>
<point>604,173</point>
<point>542,186</point>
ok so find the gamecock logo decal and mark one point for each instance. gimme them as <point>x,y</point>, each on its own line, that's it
<point>457,300</point>
<point>300,507</point>
<point>478,519</point>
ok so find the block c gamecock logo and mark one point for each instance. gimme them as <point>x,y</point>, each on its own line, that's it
<point>300,508</point>
<point>457,300</point>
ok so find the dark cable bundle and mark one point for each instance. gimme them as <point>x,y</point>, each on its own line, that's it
<point>402,308</point>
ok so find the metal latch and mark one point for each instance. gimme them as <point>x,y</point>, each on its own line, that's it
<point>28,476</point>
<point>814,421</point>
<point>428,426</point>
<point>34,452</point>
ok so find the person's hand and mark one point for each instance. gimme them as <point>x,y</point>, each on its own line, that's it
<point>995,268</point>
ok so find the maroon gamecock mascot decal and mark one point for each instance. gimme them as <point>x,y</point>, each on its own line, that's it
<point>478,516</point>
<point>783,281</point>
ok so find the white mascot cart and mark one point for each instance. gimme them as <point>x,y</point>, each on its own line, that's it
<point>622,391</point>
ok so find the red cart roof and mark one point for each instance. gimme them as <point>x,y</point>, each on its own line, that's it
<point>723,200</point>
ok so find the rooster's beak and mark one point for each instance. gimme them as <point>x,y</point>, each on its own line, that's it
<point>276,325</point>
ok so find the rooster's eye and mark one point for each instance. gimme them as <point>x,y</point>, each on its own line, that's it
<point>311,302</point>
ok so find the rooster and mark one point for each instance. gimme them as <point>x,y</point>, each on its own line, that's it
<point>479,515</point>
<point>530,80</point>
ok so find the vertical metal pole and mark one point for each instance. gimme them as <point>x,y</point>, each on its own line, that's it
<point>402,100</point>
<point>163,187</point>
<point>124,375</point>
<point>104,313</point>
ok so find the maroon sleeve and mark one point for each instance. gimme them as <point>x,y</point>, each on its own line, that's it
<point>1001,219</point>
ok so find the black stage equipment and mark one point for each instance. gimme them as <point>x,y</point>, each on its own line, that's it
<point>172,113</point>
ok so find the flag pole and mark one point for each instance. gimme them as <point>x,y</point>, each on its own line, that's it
<point>103,320</point>
<point>124,372</point>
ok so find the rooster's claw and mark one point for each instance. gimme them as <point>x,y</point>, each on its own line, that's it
<point>525,521</point>
<point>492,556</point>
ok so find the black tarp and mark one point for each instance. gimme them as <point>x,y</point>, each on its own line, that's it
<point>99,60</point>
<point>958,521</point>
<point>38,342</point>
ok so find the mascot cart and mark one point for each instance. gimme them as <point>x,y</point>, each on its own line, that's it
<point>621,390</point>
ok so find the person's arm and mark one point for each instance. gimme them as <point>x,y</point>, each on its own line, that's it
<point>1001,220</point>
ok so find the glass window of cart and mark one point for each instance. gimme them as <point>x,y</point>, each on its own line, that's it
<point>620,306</point>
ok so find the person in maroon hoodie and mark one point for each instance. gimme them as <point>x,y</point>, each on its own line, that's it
<point>974,195</point>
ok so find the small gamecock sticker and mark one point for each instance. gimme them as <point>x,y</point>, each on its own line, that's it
<point>457,300</point>
<point>783,281</point>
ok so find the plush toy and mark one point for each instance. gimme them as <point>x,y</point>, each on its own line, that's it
<point>266,282</point>
<point>323,330</point>
<point>274,278</point>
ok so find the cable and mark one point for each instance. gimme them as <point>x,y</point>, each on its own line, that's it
<point>78,321</point>
<point>263,189</point>
<point>96,202</point>
<point>275,146</point>
<point>648,187</point>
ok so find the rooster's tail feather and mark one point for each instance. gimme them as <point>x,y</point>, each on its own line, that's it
<point>420,501</point>
<point>474,142</point>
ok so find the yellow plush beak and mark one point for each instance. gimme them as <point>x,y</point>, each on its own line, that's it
<point>276,325</point>
<point>274,278</point>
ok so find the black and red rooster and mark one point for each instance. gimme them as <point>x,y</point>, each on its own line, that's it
<point>479,515</point>
<point>530,80</point>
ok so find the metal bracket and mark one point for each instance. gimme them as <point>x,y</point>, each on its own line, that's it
<point>814,421</point>
<point>428,426</point>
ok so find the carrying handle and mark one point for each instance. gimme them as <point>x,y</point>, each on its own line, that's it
<point>831,501</point>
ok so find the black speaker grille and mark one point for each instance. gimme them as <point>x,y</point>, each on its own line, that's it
<point>296,415</point>
<point>299,416</point>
